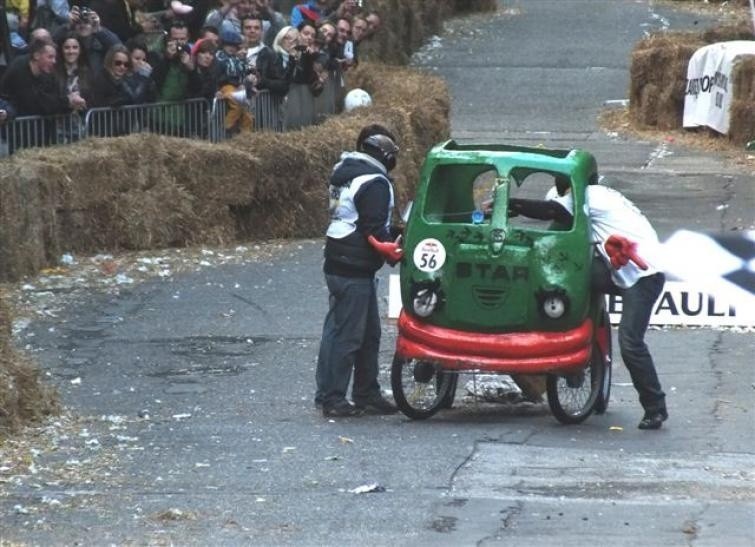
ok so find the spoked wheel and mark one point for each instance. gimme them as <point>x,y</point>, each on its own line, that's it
<point>420,388</point>
<point>601,404</point>
<point>572,397</point>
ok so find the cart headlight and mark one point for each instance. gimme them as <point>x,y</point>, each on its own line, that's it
<point>425,302</point>
<point>553,303</point>
<point>426,297</point>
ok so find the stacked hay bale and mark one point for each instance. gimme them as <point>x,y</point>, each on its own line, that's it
<point>22,396</point>
<point>658,76</point>
<point>742,114</point>
<point>659,72</point>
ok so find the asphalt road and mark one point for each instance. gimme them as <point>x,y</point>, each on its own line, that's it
<point>194,392</point>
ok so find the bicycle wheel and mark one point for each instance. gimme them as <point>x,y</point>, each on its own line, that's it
<point>601,404</point>
<point>572,397</point>
<point>420,388</point>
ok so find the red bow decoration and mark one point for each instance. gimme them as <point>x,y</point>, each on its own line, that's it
<point>620,250</point>
<point>390,250</point>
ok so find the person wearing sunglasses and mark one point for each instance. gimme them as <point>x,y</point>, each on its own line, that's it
<point>118,85</point>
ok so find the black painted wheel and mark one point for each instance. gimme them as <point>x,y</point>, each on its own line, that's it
<point>572,397</point>
<point>420,388</point>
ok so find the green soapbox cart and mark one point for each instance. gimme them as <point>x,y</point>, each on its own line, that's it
<point>486,292</point>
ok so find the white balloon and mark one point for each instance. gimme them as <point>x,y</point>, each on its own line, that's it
<point>357,98</point>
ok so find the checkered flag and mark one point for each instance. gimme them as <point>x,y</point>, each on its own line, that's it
<point>722,263</point>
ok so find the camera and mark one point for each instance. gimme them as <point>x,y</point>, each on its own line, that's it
<point>185,48</point>
<point>300,48</point>
<point>85,14</point>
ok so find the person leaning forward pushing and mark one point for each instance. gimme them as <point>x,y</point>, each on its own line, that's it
<point>359,241</point>
<point>629,254</point>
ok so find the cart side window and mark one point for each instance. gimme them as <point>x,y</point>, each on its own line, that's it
<point>532,184</point>
<point>456,191</point>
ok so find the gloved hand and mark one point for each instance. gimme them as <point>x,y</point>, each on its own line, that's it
<point>620,251</point>
<point>391,251</point>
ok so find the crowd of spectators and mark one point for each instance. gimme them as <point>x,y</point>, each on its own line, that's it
<point>67,57</point>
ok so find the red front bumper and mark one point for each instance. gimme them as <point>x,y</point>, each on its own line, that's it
<point>511,353</point>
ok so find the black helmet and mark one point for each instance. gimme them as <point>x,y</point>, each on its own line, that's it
<point>382,148</point>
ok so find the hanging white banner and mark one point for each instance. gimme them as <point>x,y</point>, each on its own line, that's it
<point>709,91</point>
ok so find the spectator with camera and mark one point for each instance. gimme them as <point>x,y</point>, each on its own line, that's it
<point>171,72</point>
<point>235,84</point>
<point>305,53</point>
<point>31,87</point>
<point>94,38</point>
<point>119,16</point>
<point>262,60</point>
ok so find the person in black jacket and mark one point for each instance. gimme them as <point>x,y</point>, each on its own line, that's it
<point>32,88</point>
<point>359,241</point>
<point>205,79</point>
<point>261,60</point>
<point>118,86</point>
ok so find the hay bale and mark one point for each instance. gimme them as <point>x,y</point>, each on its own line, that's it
<point>23,397</point>
<point>659,70</point>
<point>742,112</point>
<point>658,74</point>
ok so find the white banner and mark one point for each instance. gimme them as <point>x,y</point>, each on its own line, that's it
<point>687,304</point>
<point>709,91</point>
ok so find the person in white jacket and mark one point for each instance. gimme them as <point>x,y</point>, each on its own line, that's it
<point>628,265</point>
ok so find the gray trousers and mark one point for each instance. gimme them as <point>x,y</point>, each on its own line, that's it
<point>637,307</point>
<point>350,339</point>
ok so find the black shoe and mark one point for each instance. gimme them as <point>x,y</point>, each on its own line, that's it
<point>342,409</point>
<point>376,405</point>
<point>653,420</point>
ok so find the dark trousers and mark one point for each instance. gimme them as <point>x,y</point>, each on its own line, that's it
<point>350,339</point>
<point>637,307</point>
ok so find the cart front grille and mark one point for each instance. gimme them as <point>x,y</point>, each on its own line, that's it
<point>489,298</point>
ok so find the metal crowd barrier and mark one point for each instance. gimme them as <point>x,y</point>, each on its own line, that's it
<point>186,119</point>
<point>193,118</point>
<point>36,131</point>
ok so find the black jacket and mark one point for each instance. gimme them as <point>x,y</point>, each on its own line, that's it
<point>32,95</point>
<point>273,76</point>
<point>353,256</point>
<point>132,89</point>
